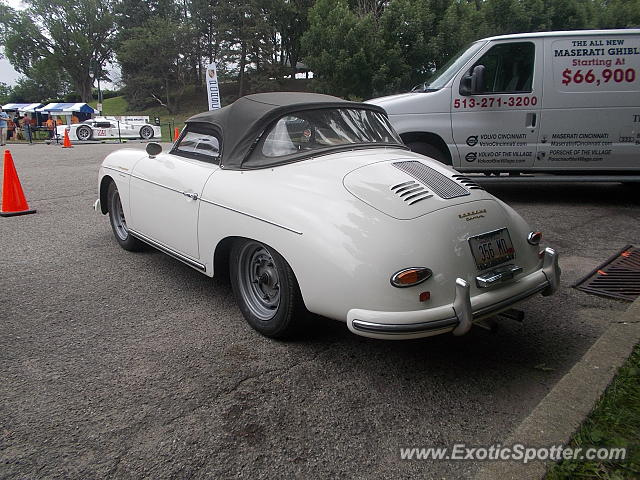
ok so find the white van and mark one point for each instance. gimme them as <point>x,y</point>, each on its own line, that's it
<point>563,102</point>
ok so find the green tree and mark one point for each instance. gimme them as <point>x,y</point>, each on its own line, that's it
<point>162,78</point>
<point>71,36</point>
<point>409,26</point>
<point>618,14</point>
<point>461,23</point>
<point>5,93</point>
<point>348,54</point>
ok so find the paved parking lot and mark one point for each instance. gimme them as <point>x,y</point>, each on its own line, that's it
<point>126,365</point>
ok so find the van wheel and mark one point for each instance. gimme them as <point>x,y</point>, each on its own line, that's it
<point>429,150</point>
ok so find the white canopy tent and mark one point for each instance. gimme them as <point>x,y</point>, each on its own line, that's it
<point>22,107</point>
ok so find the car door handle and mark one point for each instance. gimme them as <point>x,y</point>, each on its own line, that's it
<point>531,120</point>
<point>192,196</point>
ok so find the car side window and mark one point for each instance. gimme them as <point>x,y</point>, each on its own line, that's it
<point>508,67</point>
<point>199,145</point>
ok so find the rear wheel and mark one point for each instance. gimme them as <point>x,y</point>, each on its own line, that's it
<point>84,132</point>
<point>429,150</point>
<point>118,221</point>
<point>146,133</point>
<point>265,289</point>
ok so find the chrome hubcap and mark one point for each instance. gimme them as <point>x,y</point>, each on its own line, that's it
<point>259,280</point>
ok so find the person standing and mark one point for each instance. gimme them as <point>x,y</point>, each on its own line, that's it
<point>51,125</point>
<point>3,127</point>
<point>11,129</point>
<point>26,127</point>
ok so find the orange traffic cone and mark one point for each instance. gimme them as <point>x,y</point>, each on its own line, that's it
<point>13,200</point>
<point>66,143</point>
<point>176,133</point>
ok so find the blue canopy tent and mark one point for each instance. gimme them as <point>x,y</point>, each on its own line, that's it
<point>82,110</point>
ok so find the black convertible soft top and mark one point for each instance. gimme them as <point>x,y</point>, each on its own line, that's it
<point>242,123</point>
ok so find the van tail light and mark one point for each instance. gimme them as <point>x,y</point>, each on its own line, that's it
<point>408,277</point>
<point>534,238</point>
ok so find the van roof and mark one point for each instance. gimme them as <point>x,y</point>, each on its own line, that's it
<point>569,33</point>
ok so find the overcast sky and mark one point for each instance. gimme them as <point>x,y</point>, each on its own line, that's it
<point>7,74</point>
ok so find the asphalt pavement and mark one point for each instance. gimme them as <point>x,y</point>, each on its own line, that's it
<point>132,365</point>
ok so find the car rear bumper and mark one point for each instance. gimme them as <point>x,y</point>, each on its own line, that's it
<point>457,317</point>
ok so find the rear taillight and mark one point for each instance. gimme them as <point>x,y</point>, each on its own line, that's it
<point>408,277</point>
<point>534,238</point>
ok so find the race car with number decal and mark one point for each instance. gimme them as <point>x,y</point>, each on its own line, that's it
<point>100,128</point>
<point>548,102</point>
<point>310,203</point>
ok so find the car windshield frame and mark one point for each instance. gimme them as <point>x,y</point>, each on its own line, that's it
<point>201,129</point>
<point>257,158</point>
<point>444,74</point>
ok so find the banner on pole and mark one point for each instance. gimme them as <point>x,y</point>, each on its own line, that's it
<point>213,92</point>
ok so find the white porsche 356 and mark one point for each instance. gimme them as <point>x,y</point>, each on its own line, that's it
<point>312,204</point>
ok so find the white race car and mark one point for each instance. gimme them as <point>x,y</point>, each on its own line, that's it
<point>109,128</point>
<point>312,203</point>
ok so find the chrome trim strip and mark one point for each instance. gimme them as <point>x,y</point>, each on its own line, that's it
<point>169,251</point>
<point>106,167</point>
<point>251,216</point>
<point>156,183</point>
<point>404,328</point>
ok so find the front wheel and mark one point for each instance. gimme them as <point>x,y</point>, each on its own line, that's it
<point>84,133</point>
<point>265,289</point>
<point>146,132</point>
<point>118,221</point>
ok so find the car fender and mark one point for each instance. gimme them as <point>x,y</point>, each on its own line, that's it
<point>117,167</point>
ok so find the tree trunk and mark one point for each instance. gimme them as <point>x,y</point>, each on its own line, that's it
<point>83,86</point>
<point>243,62</point>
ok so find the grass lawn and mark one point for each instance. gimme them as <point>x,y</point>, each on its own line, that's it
<point>615,422</point>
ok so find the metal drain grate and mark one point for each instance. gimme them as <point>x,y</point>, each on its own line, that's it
<point>618,277</point>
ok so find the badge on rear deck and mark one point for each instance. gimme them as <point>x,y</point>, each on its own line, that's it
<point>472,215</point>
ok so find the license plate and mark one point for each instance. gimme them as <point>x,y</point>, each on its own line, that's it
<point>492,248</point>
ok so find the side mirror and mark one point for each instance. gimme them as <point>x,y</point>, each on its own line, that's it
<point>153,149</point>
<point>473,83</point>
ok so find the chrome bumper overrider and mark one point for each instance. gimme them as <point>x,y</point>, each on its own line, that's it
<point>460,315</point>
<point>96,206</point>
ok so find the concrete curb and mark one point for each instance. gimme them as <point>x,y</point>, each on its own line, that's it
<point>559,415</point>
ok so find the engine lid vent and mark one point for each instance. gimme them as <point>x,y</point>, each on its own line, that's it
<point>440,184</point>
<point>467,182</point>
<point>411,192</point>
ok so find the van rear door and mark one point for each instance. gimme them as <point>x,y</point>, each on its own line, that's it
<point>497,129</point>
<point>591,104</point>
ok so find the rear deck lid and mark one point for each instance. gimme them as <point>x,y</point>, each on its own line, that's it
<point>407,188</point>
